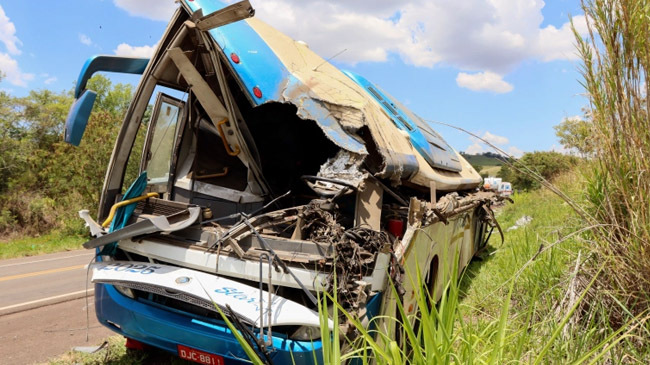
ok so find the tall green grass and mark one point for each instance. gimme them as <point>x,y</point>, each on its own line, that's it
<point>616,60</point>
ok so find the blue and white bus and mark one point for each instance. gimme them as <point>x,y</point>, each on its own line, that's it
<point>265,173</point>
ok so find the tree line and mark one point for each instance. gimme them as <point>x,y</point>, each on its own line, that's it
<point>43,180</point>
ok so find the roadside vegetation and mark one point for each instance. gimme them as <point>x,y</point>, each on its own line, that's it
<point>486,164</point>
<point>44,182</point>
<point>47,243</point>
<point>616,62</point>
<point>116,354</point>
<point>487,171</point>
<point>544,164</point>
<point>484,159</point>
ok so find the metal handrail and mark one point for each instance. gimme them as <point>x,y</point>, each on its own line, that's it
<point>111,214</point>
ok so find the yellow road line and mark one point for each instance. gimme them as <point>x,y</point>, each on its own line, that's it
<point>44,272</point>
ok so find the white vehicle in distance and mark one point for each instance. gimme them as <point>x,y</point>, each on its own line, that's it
<point>505,189</point>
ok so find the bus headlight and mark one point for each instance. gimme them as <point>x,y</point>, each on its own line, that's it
<point>125,291</point>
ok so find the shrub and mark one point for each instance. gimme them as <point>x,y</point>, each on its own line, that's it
<point>576,134</point>
<point>7,220</point>
<point>547,164</point>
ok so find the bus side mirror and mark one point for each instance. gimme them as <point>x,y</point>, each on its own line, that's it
<point>75,124</point>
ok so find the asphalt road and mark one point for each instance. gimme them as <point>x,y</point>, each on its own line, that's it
<point>43,310</point>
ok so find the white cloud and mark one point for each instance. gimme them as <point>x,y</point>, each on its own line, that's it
<point>515,152</point>
<point>478,146</point>
<point>126,50</point>
<point>11,71</point>
<point>494,139</point>
<point>477,35</point>
<point>472,35</point>
<point>485,39</point>
<point>50,80</point>
<point>150,9</point>
<point>8,34</point>
<point>575,118</point>
<point>483,81</point>
<point>474,149</point>
<point>84,39</point>
<point>558,44</point>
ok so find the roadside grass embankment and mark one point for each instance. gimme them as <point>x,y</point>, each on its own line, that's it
<point>540,271</point>
<point>116,354</point>
<point>532,269</point>
<point>48,243</point>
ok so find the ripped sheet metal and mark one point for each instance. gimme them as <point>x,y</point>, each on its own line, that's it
<point>318,88</point>
<point>273,67</point>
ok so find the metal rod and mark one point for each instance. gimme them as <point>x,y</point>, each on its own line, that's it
<point>390,192</point>
<point>269,333</point>
<point>282,264</point>
<point>269,204</point>
<point>261,340</point>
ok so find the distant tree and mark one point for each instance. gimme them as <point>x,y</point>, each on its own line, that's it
<point>505,173</point>
<point>548,164</point>
<point>12,155</point>
<point>478,168</point>
<point>576,133</point>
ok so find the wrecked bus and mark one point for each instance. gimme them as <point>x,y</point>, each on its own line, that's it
<point>267,174</point>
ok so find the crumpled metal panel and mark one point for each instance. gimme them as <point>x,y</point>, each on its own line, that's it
<point>309,107</point>
<point>283,70</point>
<point>424,139</point>
<point>259,66</point>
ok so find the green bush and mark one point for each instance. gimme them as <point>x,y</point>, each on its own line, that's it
<point>7,220</point>
<point>547,164</point>
<point>42,212</point>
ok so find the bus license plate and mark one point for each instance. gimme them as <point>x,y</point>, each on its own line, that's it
<point>199,356</point>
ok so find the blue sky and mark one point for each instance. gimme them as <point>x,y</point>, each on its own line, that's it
<point>503,69</point>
